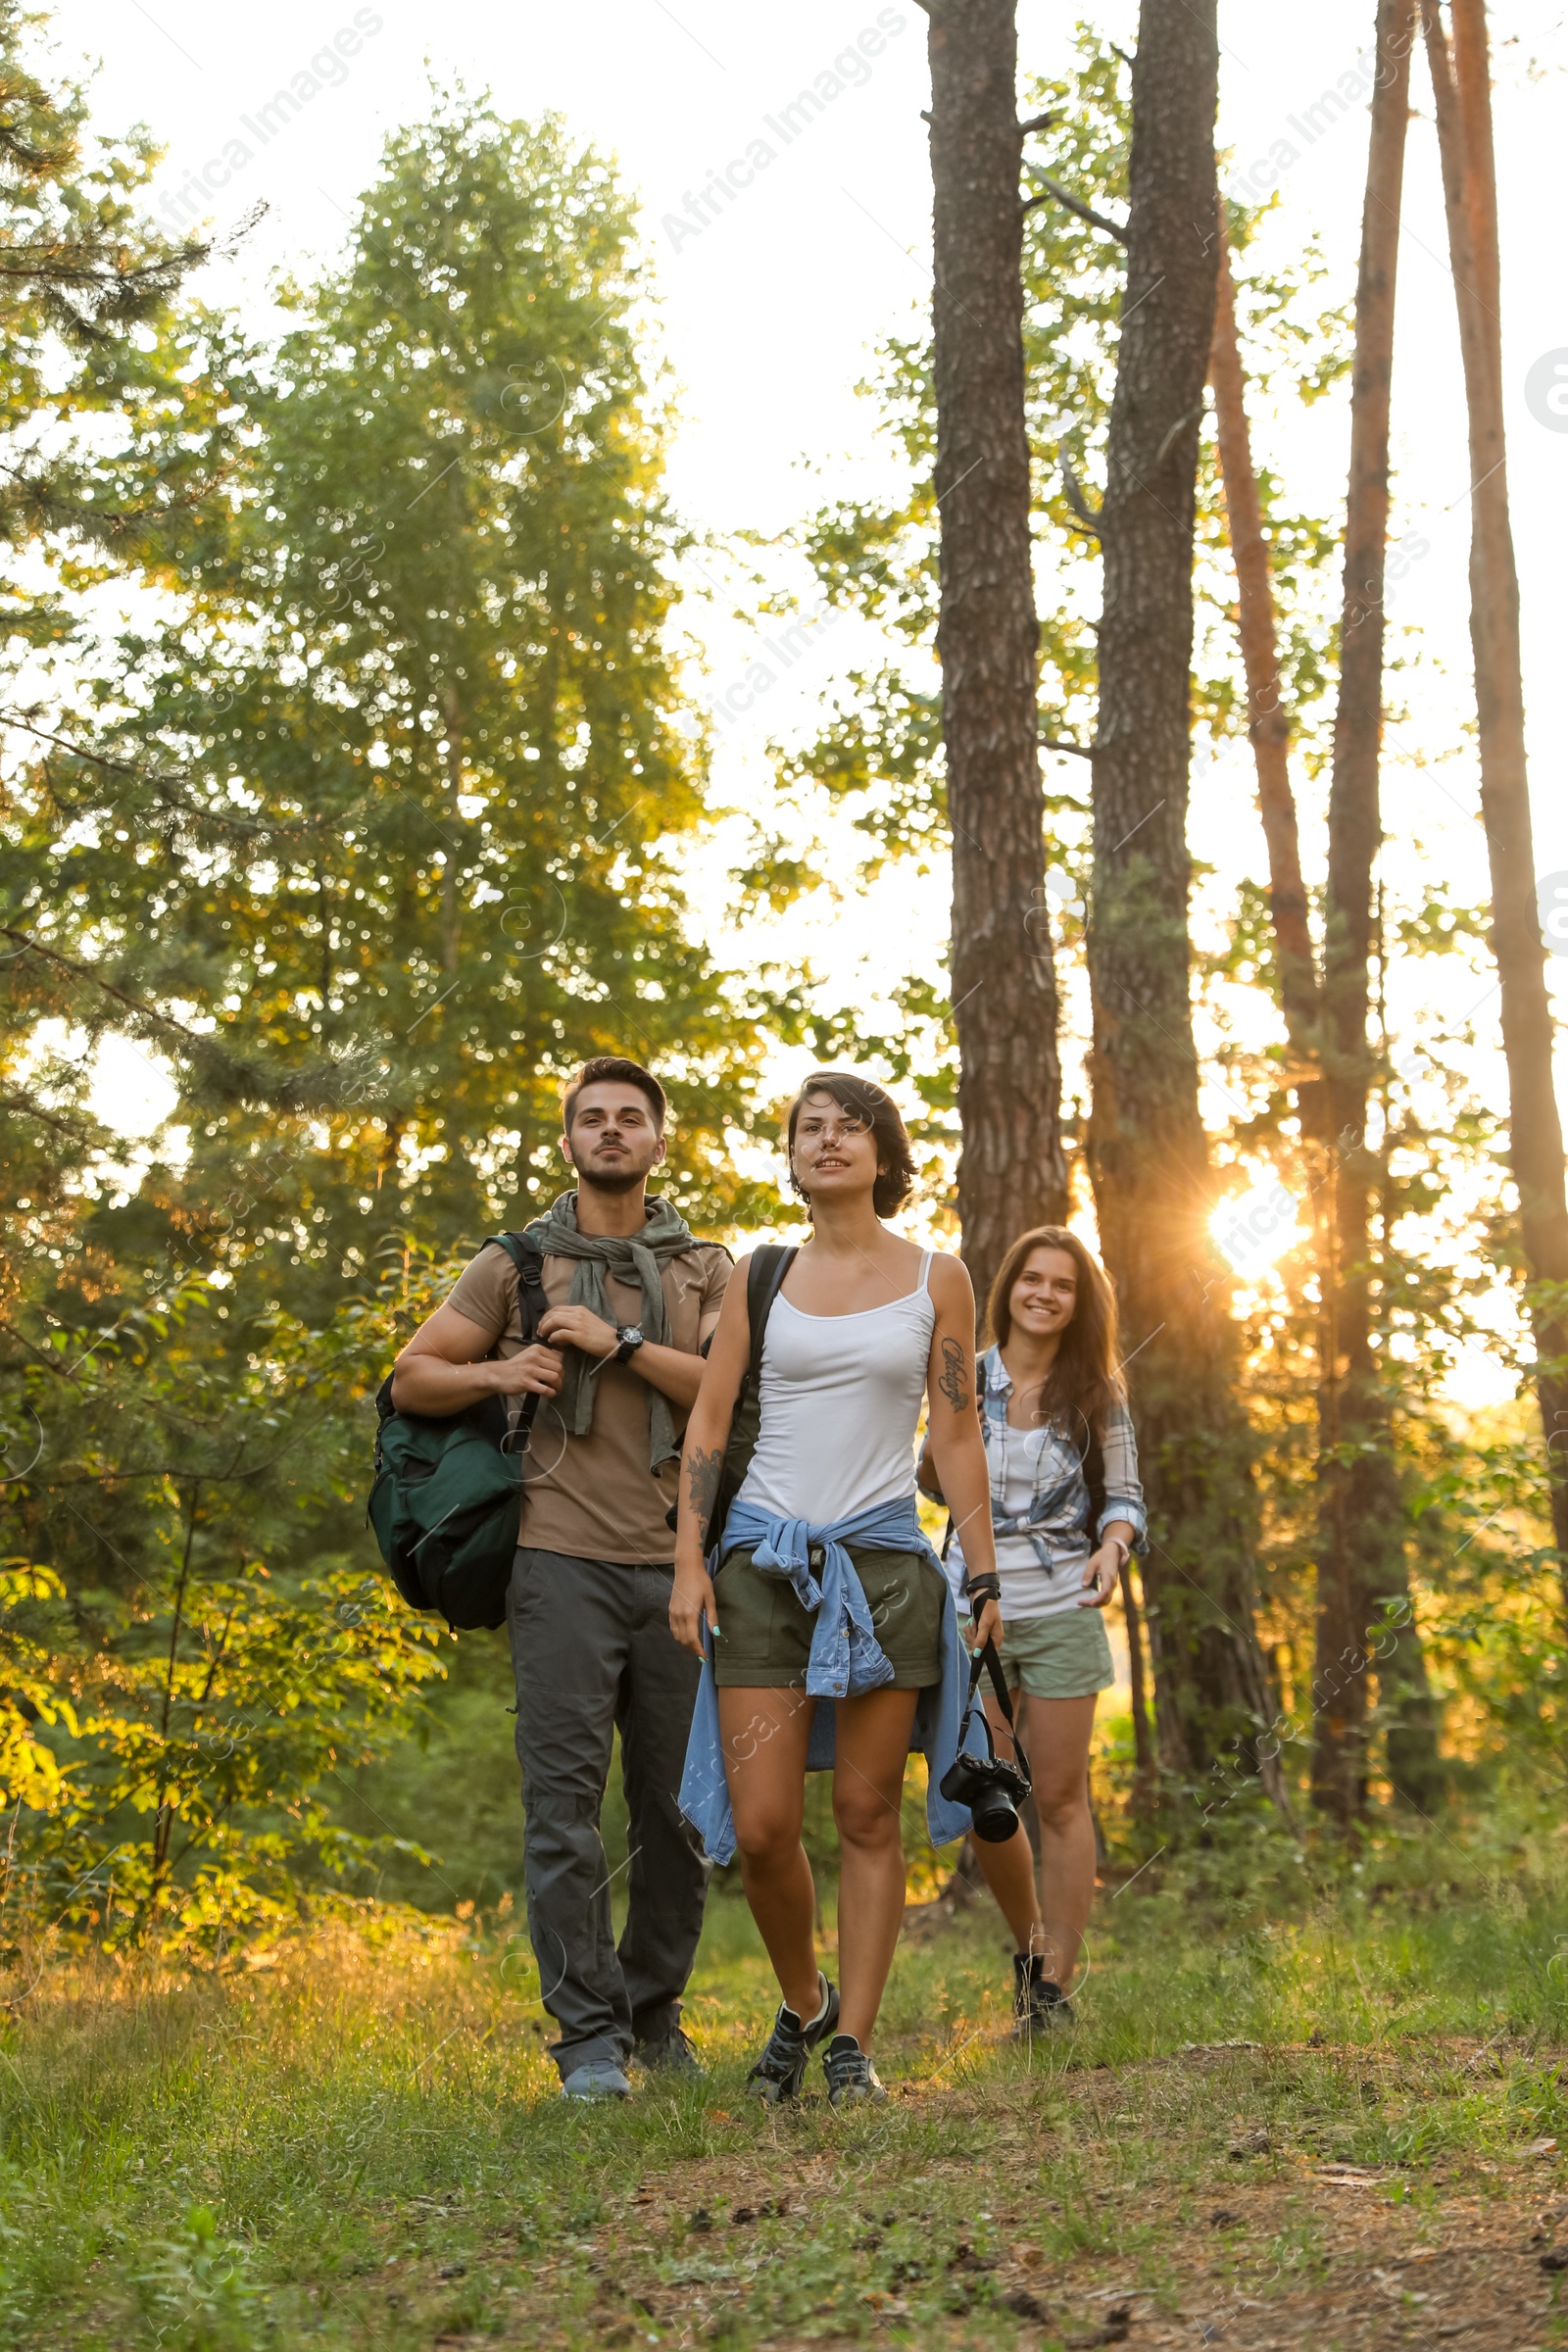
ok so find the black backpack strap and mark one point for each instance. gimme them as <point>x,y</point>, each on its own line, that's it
<point>764,1279</point>
<point>528,1258</point>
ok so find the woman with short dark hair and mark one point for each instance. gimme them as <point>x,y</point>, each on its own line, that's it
<point>1067,1509</point>
<point>823,1587</point>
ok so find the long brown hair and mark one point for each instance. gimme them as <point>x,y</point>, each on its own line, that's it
<point>1084,1382</point>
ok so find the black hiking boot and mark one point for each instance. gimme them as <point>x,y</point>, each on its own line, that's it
<point>671,2054</point>
<point>780,2071</point>
<point>852,2079</point>
<point>1039,2004</point>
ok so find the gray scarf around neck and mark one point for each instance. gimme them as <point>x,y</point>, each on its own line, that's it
<point>637,1259</point>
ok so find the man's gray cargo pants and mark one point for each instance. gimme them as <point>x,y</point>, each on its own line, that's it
<point>592,1653</point>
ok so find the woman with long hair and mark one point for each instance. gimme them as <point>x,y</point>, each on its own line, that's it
<point>825,1588</point>
<point>1066,1510</point>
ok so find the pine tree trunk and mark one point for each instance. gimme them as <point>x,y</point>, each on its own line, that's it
<point>1361,1565</point>
<point>1462,88</point>
<point>1012,1173</point>
<point>1153,1186</point>
<point>1145,1774</point>
<point>1268,724</point>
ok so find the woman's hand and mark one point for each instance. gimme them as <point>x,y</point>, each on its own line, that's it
<point>987,1627</point>
<point>1101,1576</point>
<point>691,1600</point>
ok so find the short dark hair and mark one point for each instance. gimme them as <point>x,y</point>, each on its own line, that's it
<point>871,1102</point>
<point>609,1066</point>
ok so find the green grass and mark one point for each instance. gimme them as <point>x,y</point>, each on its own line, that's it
<point>296,2153</point>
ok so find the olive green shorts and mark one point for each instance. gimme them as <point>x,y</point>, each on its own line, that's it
<point>764,1635</point>
<point>1067,1656</point>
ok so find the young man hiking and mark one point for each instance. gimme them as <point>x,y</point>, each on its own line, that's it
<point>615,1366</point>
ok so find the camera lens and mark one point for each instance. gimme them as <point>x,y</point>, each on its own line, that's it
<point>994,1818</point>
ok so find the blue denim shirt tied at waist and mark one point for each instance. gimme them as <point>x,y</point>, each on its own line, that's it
<point>846,1659</point>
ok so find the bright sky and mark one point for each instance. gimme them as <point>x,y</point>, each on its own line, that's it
<point>770,315</point>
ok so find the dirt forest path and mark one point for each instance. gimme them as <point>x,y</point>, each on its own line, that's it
<point>1348,2137</point>
<point>1199,2199</point>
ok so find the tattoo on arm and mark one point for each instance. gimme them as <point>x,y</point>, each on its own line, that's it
<point>954,1380</point>
<point>702,1471</point>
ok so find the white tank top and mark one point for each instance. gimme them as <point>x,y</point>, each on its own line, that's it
<point>840,1401</point>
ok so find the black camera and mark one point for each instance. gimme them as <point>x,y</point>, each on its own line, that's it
<point>992,1789</point>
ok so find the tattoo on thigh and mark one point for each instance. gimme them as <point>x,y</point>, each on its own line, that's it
<point>702,1471</point>
<point>954,1380</point>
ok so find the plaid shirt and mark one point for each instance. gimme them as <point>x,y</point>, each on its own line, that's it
<point>1055,1522</point>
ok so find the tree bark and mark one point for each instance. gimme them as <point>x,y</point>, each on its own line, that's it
<point>1462,88</point>
<point>1144,1775</point>
<point>1154,1187</point>
<point>1011,1172</point>
<point>1361,1530</point>
<point>1268,724</point>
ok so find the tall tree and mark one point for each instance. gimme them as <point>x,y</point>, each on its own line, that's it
<point>1011,1172</point>
<point>1461,84</point>
<point>1362,1567</point>
<point>372,837</point>
<point>422,747</point>
<point>85,282</point>
<point>1268,721</point>
<point>1153,1186</point>
<point>1362,1529</point>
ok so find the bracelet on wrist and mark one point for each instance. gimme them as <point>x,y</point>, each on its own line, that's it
<point>981,1589</point>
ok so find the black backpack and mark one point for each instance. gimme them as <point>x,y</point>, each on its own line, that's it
<point>764,1279</point>
<point>447,1498</point>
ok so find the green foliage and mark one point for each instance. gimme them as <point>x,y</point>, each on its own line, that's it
<point>202,1667</point>
<point>369,830</point>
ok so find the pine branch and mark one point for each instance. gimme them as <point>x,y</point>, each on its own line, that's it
<point>230,1078</point>
<point>1074,204</point>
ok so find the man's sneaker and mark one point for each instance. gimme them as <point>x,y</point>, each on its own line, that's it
<point>599,2079</point>
<point>1039,2004</point>
<point>852,2079</point>
<point>780,2071</point>
<point>671,2054</point>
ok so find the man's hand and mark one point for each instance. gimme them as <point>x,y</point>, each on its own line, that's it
<point>691,1600</point>
<point>1100,1577</point>
<point>576,1327</point>
<point>532,1372</point>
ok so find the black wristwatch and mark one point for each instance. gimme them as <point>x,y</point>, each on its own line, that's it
<point>630,1337</point>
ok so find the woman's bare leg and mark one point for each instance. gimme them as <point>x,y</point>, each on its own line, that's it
<point>1008,1870</point>
<point>1055,1734</point>
<point>871,1745</point>
<point>765,1736</point>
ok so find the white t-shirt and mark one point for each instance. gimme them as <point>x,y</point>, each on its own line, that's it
<point>1028,1588</point>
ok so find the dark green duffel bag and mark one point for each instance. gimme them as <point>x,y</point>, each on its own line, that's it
<point>447,1497</point>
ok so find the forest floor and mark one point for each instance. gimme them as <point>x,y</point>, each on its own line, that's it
<point>1337,2121</point>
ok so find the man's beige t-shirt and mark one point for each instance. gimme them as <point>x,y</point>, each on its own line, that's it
<point>594,1497</point>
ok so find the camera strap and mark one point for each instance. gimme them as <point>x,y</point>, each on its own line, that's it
<point>986,1660</point>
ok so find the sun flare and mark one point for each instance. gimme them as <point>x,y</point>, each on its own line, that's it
<point>1252,1230</point>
